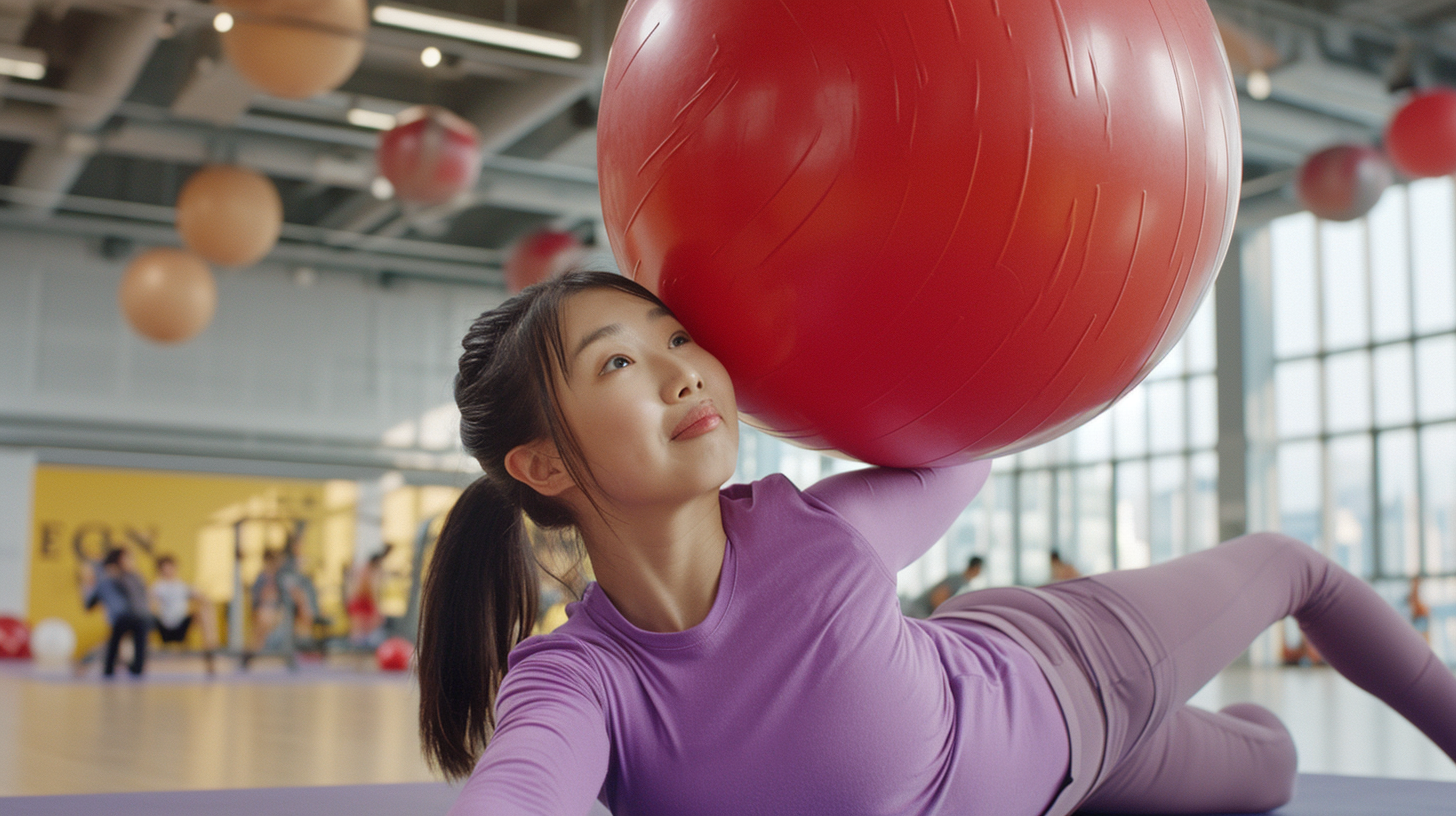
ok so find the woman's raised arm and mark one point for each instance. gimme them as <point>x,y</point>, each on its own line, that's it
<point>902,512</point>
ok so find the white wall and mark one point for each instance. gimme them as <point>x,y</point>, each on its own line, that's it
<point>17,490</point>
<point>344,360</point>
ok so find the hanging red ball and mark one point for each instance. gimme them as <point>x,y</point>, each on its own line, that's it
<point>1421,137</point>
<point>394,654</point>
<point>929,232</point>
<point>1342,183</point>
<point>540,256</point>
<point>430,155</point>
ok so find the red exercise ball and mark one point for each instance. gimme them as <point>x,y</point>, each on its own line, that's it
<point>539,256</point>
<point>1342,183</point>
<point>1421,137</point>
<point>430,155</point>
<point>394,654</point>
<point>14,638</point>
<point>922,232</point>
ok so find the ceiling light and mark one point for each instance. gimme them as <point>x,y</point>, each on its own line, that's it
<point>223,22</point>
<point>24,63</point>
<point>21,68</point>
<point>477,31</point>
<point>374,120</point>
<point>431,57</point>
<point>1259,85</point>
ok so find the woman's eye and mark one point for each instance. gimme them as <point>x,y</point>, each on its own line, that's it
<point>679,340</point>
<point>617,361</point>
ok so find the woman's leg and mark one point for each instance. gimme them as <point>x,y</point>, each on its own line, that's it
<point>1204,609</point>
<point>1197,613</point>
<point>1171,771</point>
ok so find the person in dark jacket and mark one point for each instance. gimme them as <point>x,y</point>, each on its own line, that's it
<point>123,593</point>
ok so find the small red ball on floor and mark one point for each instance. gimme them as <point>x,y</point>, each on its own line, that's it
<point>394,654</point>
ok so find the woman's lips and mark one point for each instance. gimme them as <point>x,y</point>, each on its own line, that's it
<point>699,421</point>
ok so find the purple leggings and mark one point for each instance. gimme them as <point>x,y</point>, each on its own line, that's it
<point>1125,650</point>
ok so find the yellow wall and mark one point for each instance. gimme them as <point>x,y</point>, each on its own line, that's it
<point>198,519</point>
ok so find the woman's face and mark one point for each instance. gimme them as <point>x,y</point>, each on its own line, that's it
<point>653,411</point>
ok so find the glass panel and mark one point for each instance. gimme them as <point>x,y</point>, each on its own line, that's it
<point>968,536</point>
<point>1170,366</point>
<point>1438,460</point>
<point>1201,340</point>
<point>1132,515</point>
<point>1168,512</point>
<point>1394,401</point>
<point>1130,421</point>
<point>1389,267</point>
<point>1203,503</point>
<point>1036,516</point>
<point>1436,378</point>
<point>1065,539</point>
<point>1166,416</point>
<point>1093,441</point>
<point>1292,261</point>
<point>1301,491</point>
<point>1347,384</point>
<point>1203,412</point>
<point>1296,394</point>
<point>1093,519</point>
<point>1352,531</point>
<point>1342,254</point>
<point>1000,504</point>
<point>1433,258</point>
<point>1033,457</point>
<point>1398,517</point>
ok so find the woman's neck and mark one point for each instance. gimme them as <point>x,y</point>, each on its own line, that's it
<point>660,567</point>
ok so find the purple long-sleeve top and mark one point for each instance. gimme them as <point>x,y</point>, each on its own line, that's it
<point>804,691</point>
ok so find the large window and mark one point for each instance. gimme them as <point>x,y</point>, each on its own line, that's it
<point>1365,381</point>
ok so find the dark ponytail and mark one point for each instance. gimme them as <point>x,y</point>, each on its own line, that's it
<point>482,588</point>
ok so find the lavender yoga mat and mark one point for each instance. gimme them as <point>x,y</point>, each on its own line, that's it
<point>1316,795</point>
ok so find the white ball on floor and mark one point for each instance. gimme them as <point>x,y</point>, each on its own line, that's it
<point>53,644</point>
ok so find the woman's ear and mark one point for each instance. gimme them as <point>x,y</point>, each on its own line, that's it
<point>538,465</point>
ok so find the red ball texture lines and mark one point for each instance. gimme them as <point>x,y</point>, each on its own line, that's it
<point>922,232</point>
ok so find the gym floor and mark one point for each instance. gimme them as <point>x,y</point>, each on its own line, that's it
<point>343,724</point>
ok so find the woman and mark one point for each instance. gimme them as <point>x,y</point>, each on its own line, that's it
<point>743,651</point>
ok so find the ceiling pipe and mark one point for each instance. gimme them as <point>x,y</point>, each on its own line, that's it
<point>114,56</point>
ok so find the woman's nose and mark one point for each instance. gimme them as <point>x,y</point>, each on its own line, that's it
<point>683,380</point>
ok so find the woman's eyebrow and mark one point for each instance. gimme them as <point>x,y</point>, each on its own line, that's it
<point>605,331</point>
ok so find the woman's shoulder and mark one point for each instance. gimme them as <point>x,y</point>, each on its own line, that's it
<point>774,485</point>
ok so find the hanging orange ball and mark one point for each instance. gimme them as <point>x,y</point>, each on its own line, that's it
<point>229,215</point>
<point>168,295</point>
<point>296,49</point>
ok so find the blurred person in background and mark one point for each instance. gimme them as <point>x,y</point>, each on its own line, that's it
<point>1061,570</point>
<point>177,605</point>
<point>952,585</point>
<point>123,594</point>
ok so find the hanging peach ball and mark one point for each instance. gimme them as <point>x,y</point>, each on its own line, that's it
<point>229,215</point>
<point>296,49</point>
<point>168,295</point>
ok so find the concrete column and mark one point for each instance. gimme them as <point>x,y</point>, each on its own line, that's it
<point>17,499</point>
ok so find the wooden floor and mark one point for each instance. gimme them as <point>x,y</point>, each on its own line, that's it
<point>177,730</point>
<point>347,724</point>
